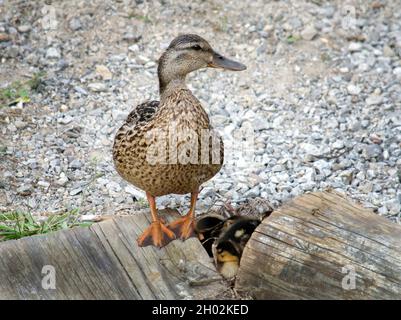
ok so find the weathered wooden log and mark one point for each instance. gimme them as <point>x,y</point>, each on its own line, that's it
<point>104,262</point>
<point>311,248</point>
<point>322,246</point>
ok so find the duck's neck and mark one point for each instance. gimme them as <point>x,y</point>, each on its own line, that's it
<point>168,87</point>
<point>169,79</point>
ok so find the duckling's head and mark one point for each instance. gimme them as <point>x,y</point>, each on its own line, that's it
<point>187,53</point>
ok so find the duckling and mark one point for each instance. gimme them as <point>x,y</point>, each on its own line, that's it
<point>225,238</point>
<point>154,129</point>
<point>227,260</point>
<point>211,225</point>
<point>208,228</point>
<point>228,248</point>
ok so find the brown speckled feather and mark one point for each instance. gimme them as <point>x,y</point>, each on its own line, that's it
<point>137,136</point>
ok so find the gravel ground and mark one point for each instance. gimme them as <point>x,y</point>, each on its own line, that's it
<point>322,94</point>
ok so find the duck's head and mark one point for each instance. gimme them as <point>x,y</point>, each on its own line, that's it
<point>187,53</point>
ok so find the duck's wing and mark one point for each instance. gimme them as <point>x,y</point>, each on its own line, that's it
<point>143,113</point>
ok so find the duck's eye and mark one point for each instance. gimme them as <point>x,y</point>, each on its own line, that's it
<point>196,47</point>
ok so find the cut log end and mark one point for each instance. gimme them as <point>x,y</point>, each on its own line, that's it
<point>322,246</point>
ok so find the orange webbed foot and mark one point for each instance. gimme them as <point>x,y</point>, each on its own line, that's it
<point>183,228</point>
<point>157,234</point>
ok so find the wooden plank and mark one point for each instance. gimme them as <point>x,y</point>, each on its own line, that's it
<point>104,262</point>
<point>300,250</point>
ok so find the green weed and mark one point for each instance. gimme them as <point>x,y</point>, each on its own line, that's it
<point>16,225</point>
<point>20,91</point>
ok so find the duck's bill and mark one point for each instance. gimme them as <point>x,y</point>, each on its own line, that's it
<point>222,62</point>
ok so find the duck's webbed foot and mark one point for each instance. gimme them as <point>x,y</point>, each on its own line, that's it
<point>184,227</point>
<point>157,234</point>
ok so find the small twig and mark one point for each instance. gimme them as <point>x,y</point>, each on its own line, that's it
<point>203,282</point>
<point>229,207</point>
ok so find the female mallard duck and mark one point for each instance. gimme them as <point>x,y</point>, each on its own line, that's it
<point>159,147</point>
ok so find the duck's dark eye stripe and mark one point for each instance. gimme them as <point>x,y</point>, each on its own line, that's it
<point>196,47</point>
<point>181,56</point>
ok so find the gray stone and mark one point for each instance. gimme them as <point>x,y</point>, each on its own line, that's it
<point>138,194</point>
<point>24,28</point>
<point>282,176</point>
<point>66,119</point>
<point>338,144</point>
<point>142,59</point>
<point>388,52</point>
<point>104,72</point>
<point>347,176</point>
<point>372,151</point>
<point>277,168</point>
<point>259,123</point>
<point>131,37</point>
<point>62,181</point>
<point>97,87</point>
<point>295,22</point>
<point>393,206</point>
<point>20,124</point>
<point>55,162</point>
<point>353,89</point>
<point>397,72</point>
<point>43,184</point>
<point>24,190</point>
<point>75,24</point>
<point>75,191</point>
<point>76,164</point>
<point>321,164</point>
<point>312,150</point>
<point>308,33</point>
<point>354,46</point>
<point>53,53</point>
<point>12,51</point>
<point>133,48</point>
<point>382,211</point>
<point>252,193</point>
<point>80,90</point>
<point>373,100</point>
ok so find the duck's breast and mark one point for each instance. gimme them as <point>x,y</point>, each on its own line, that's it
<point>175,152</point>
